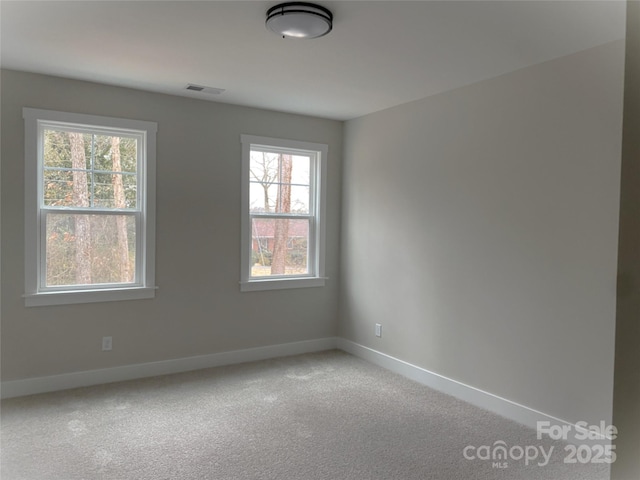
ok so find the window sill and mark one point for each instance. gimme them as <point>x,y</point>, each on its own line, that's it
<point>281,284</point>
<point>88,296</point>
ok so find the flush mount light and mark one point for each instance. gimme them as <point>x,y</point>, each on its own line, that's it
<point>299,20</point>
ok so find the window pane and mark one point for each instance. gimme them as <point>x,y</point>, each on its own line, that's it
<point>130,185</point>
<point>67,188</point>
<point>102,152</point>
<point>300,170</point>
<point>279,182</point>
<point>299,199</point>
<point>263,175</point>
<point>114,190</point>
<point>58,188</point>
<point>84,249</point>
<point>67,149</point>
<point>279,247</point>
<point>114,154</point>
<point>103,190</point>
<point>129,154</point>
<point>57,149</point>
<point>262,197</point>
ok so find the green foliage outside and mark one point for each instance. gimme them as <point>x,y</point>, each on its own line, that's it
<point>58,174</point>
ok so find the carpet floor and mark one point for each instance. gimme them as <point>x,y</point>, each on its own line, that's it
<point>324,416</point>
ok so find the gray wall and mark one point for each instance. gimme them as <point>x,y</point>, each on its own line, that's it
<point>626,406</point>
<point>480,228</point>
<point>198,308</point>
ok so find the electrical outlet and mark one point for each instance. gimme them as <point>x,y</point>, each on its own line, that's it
<point>378,330</point>
<point>107,344</point>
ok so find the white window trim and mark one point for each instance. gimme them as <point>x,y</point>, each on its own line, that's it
<point>316,278</point>
<point>35,294</point>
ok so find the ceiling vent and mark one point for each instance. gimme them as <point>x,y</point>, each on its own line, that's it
<point>200,88</point>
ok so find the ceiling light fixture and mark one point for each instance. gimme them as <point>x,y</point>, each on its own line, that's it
<point>299,20</point>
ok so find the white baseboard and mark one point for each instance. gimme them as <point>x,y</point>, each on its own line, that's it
<point>30,386</point>
<point>501,406</point>
<point>488,401</point>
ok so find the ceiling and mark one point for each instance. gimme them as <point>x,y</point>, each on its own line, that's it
<point>379,54</point>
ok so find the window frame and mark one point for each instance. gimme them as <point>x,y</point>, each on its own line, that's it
<point>317,222</point>
<point>37,293</point>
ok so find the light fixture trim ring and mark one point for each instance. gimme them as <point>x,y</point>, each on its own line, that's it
<point>282,10</point>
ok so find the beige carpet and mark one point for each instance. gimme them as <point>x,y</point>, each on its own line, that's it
<point>326,416</point>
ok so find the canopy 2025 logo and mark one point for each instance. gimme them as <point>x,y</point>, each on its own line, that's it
<point>595,449</point>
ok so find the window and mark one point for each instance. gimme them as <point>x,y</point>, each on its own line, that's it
<point>90,212</point>
<point>283,184</point>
